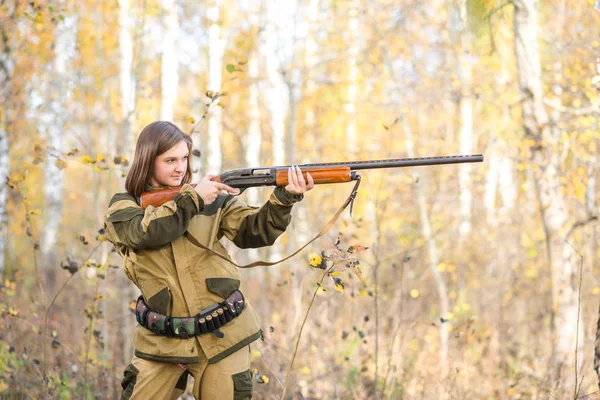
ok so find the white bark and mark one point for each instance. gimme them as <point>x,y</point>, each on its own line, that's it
<point>466,123</point>
<point>52,125</point>
<point>277,93</point>
<point>216,49</point>
<point>6,70</point>
<point>124,146</point>
<point>4,174</point>
<point>545,157</point>
<point>253,145</point>
<point>310,57</point>
<point>169,66</point>
<point>350,107</point>
<point>254,138</point>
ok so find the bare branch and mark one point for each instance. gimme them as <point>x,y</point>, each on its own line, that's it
<point>580,224</point>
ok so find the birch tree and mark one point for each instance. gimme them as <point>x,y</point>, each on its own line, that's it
<point>352,65</point>
<point>53,125</point>
<point>545,160</point>
<point>169,65</point>
<point>6,72</point>
<point>465,61</point>
<point>124,147</point>
<point>216,48</point>
<point>277,92</point>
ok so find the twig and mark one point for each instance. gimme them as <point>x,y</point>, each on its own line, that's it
<point>576,390</point>
<point>319,286</point>
<point>573,111</point>
<point>90,332</point>
<point>37,275</point>
<point>579,224</point>
<point>213,98</point>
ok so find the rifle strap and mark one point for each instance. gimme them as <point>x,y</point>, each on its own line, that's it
<point>349,201</point>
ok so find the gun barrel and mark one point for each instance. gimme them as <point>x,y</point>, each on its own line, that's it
<point>400,162</point>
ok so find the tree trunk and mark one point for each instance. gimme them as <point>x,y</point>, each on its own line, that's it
<point>545,160</point>
<point>353,51</point>
<point>6,70</point>
<point>216,49</point>
<point>466,122</point>
<point>52,124</point>
<point>169,74</point>
<point>124,147</point>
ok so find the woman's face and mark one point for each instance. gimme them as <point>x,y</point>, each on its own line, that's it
<point>170,167</point>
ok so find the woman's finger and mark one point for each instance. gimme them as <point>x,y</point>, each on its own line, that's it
<point>311,181</point>
<point>301,181</point>
<point>292,178</point>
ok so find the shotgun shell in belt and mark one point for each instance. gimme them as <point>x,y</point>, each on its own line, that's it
<point>221,316</point>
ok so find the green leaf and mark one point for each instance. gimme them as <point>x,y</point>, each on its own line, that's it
<point>230,68</point>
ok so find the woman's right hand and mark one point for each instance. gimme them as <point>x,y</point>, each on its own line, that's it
<point>209,190</point>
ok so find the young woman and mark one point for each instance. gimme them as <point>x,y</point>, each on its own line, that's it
<point>192,317</point>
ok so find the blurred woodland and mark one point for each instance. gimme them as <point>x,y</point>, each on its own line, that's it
<point>480,280</point>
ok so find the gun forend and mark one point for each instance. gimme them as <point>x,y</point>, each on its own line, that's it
<point>319,175</point>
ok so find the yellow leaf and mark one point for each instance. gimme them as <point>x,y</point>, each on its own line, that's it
<point>60,164</point>
<point>339,284</point>
<point>596,290</point>
<point>191,120</point>
<point>362,292</point>
<point>12,311</point>
<point>263,379</point>
<point>100,158</point>
<point>314,259</point>
<point>305,371</point>
<point>100,297</point>
<point>357,249</point>
<point>336,273</point>
<point>414,293</point>
<point>87,159</point>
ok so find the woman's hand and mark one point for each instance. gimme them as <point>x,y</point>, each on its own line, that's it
<point>296,183</point>
<point>209,190</point>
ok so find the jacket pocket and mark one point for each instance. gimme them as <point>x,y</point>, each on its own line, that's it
<point>242,385</point>
<point>129,379</point>
<point>222,287</point>
<point>161,301</point>
<point>130,271</point>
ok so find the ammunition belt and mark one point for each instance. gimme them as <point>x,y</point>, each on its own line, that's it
<point>211,319</point>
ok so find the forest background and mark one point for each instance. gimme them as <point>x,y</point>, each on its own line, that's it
<point>479,281</point>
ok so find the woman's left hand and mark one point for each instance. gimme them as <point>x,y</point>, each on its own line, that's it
<point>296,182</point>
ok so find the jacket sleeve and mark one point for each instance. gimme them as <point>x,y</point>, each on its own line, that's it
<point>252,227</point>
<point>128,224</point>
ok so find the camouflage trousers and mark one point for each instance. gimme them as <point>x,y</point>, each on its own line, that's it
<point>227,379</point>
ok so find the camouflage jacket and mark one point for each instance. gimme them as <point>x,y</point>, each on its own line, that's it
<point>178,278</point>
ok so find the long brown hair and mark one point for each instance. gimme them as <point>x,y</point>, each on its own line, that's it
<point>154,140</point>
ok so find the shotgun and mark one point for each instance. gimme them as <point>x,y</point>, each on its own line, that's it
<point>336,172</point>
